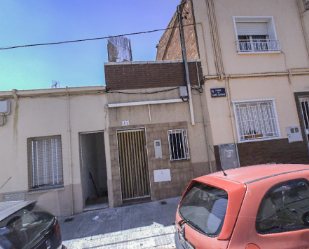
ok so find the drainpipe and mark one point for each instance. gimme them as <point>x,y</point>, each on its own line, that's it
<point>185,62</point>
<point>70,148</point>
<point>15,94</point>
<point>227,86</point>
<point>303,27</point>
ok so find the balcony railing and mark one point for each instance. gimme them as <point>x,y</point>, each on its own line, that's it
<point>256,46</point>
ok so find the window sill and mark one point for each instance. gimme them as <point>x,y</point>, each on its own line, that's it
<point>36,191</point>
<point>259,140</point>
<point>180,160</point>
<point>260,52</point>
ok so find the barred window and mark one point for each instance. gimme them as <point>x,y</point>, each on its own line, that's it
<point>45,162</point>
<point>178,144</point>
<point>256,120</point>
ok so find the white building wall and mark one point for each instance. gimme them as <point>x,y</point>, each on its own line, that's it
<point>42,113</point>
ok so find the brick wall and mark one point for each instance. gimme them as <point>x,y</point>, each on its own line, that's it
<point>169,45</point>
<point>269,151</point>
<point>120,76</point>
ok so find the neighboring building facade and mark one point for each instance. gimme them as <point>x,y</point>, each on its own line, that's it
<point>42,146</point>
<point>255,59</point>
<point>76,149</point>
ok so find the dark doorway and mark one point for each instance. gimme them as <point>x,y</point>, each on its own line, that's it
<point>92,150</point>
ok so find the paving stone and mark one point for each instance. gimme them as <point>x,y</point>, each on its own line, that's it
<point>140,226</point>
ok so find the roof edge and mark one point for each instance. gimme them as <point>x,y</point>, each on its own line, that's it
<point>148,62</point>
<point>52,91</point>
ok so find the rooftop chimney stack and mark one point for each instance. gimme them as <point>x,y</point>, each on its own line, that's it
<point>119,49</point>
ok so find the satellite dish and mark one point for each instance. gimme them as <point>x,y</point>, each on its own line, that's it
<point>55,84</point>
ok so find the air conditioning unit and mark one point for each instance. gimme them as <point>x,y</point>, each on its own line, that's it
<point>5,107</point>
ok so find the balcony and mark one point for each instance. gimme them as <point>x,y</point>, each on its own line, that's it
<point>258,46</point>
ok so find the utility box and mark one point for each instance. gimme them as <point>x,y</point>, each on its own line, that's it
<point>294,134</point>
<point>228,156</point>
<point>158,148</point>
<point>5,107</point>
<point>183,93</point>
<point>162,175</point>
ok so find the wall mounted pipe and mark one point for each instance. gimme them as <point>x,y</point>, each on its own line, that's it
<point>185,62</point>
<point>252,75</point>
<point>70,148</point>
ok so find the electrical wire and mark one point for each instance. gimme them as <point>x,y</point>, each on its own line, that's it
<point>199,89</point>
<point>165,90</point>
<point>89,39</point>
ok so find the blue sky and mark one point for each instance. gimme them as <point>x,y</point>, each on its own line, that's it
<point>75,64</point>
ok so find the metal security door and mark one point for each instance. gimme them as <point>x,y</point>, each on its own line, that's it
<point>304,103</point>
<point>133,164</point>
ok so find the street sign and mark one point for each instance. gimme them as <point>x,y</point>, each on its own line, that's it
<point>217,92</point>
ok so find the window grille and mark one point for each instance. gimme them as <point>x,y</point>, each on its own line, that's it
<point>178,144</point>
<point>256,120</point>
<point>45,162</point>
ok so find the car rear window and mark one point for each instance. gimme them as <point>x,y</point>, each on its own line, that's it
<point>23,228</point>
<point>285,207</point>
<point>204,207</point>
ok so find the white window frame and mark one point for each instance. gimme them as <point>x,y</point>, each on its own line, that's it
<point>45,163</point>
<point>247,132</point>
<point>182,145</point>
<point>272,42</point>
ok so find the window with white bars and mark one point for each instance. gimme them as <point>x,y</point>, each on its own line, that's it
<point>256,34</point>
<point>45,162</point>
<point>178,144</point>
<point>256,120</point>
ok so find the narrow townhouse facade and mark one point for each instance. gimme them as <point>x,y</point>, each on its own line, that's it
<point>255,60</point>
<point>147,109</point>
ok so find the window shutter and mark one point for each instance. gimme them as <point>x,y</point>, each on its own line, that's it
<point>46,161</point>
<point>252,28</point>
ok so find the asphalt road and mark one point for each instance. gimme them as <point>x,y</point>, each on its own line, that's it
<point>145,225</point>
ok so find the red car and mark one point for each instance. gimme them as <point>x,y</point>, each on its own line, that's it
<point>265,206</point>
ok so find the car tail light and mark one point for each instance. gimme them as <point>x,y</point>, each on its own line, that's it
<point>252,246</point>
<point>57,229</point>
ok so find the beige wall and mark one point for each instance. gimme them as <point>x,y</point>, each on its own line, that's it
<point>37,116</point>
<point>293,55</point>
<point>162,113</point>
<point>287,25</point>
<point>51,112</point>
<point>305,24</point>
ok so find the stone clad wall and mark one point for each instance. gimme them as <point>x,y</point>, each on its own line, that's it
<point>181,171</point>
